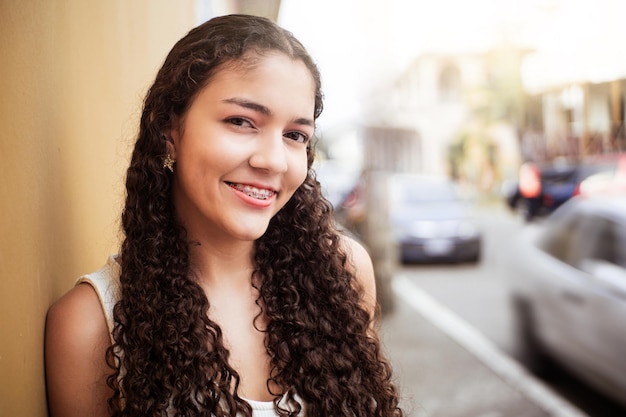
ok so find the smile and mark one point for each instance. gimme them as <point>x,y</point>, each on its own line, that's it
<point>258,193</point>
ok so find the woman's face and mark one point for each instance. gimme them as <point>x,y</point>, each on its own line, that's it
<point>240,149</point>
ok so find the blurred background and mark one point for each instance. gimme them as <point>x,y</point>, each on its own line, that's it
<point>475,147</point>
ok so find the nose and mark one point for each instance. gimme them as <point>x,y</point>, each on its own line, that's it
<point>270,153</point>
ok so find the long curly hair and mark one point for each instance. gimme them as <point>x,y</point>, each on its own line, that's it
<point>168,356</point>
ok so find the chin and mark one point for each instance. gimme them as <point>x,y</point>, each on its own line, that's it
<point>251,233</point>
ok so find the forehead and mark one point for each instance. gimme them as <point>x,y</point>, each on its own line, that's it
<point>272,78</point>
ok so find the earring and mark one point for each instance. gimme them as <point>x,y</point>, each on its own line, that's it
<point>168,162</point>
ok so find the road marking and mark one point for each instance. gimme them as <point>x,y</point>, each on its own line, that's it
<point>514,374</point>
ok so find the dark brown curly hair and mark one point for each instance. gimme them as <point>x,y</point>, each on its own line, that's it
<point>168,357</point>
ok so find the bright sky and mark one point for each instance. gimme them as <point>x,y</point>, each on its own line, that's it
<point>358,43</point>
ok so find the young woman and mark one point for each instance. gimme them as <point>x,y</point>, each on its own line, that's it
<point>233,292</point>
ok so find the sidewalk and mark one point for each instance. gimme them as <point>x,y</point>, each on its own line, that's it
<point>445,368</point>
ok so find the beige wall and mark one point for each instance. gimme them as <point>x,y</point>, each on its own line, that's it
<point>72,76</point>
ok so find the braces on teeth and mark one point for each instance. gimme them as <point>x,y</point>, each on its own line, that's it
<point>254,192</point>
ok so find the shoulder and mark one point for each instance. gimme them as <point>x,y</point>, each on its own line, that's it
<point>78,313</point>
<point>361,264</point>
<point>357,253</point>
<point>76,341</point>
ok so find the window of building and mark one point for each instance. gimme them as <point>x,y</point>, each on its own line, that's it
<point>449,83</point>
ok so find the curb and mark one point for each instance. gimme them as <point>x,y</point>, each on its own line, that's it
<point>510,371</point>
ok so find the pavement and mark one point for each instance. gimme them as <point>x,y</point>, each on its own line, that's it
<point>446,368</point>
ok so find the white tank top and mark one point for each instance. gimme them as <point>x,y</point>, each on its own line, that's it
<point>106,283</point>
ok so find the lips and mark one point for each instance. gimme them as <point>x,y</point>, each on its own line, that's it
<point>253,192</point>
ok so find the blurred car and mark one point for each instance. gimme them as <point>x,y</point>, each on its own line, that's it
<point>431,222</point>
<point>610,181</point>
<point>569,292</point>
<point>560,181</point>
<point>558,184</point>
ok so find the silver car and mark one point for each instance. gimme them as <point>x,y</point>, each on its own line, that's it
<point>569,292</point>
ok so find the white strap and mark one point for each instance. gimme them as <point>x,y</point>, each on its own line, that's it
<point>106,283</point>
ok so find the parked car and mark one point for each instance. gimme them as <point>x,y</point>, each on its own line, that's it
<point>568,290</point>
<point>609,181</point>
<point>431,222</point>
<point>560,181</point>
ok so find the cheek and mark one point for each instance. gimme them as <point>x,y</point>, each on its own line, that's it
<point>301,170</point>
<point>297,174</point>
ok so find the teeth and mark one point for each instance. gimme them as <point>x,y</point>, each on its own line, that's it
<point>258,193</point>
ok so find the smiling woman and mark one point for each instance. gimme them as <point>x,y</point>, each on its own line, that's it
<point>241,149</point>
<point>233,294</point>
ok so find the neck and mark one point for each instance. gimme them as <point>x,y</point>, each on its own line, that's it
<point>223,264</point>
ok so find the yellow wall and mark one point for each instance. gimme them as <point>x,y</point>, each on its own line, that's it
<point>72,76</point>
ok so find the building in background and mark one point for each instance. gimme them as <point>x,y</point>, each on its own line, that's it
<point>464,110</point>
<point>574,120</point>
<point>483,85</point>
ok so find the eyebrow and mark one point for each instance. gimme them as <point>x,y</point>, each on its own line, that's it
<point>263,109</point>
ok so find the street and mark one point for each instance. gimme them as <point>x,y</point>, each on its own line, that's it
<point>478,295</point>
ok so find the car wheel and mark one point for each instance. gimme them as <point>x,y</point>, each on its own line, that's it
<point>530,352</point>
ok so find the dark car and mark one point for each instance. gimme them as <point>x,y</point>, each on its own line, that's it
<point>568,287</point>
<point>431,222</point>
<point>560,181</point>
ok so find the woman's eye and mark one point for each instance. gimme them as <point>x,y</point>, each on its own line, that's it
<point>297,136</point>
<point>239,121</point>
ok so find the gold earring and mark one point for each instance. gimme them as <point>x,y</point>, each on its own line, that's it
<point>168,162</point>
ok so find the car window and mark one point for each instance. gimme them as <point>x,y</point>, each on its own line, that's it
<point>620,241</point>
<point>588,241</point>
<point>558,177</point>
<point>570,238</point>
<point>408,192</point>
<point>610,245</point>
<point>559,234</point>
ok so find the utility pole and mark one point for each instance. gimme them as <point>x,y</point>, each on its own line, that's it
<point>388,150</point>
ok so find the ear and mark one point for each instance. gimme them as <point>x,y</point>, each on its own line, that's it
<point>172,138</point>
<point>170,144</point>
